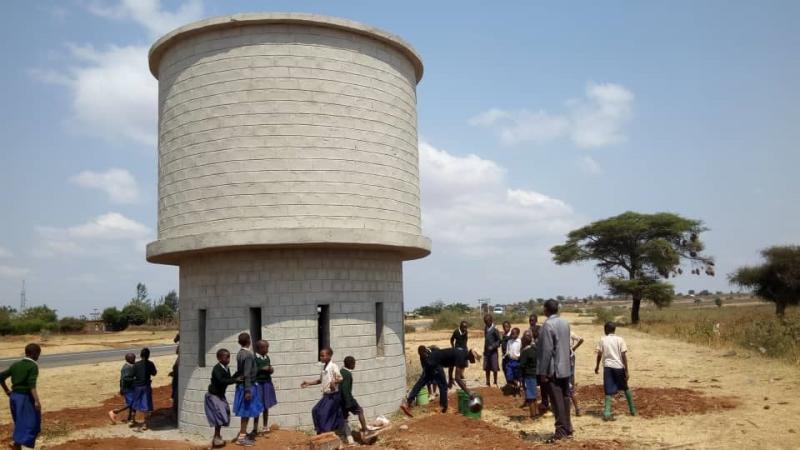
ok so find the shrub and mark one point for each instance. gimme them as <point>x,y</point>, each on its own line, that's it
<point>718,302</point>
<point>71,325</point>
<point>135,314</point>
<point>604,315</point>
<point>448,320</point>
<point>114,319</point>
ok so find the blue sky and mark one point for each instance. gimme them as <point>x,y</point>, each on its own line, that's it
<point>534,119</point>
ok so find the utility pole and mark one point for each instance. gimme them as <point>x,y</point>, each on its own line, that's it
<point>23,301</point>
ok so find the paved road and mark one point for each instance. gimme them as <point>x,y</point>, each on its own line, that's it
<point>69,359</point>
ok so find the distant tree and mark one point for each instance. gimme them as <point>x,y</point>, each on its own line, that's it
<point>42,312</point>
<point>458,307</point>
<point>540,301</point>
<point>777,280</point>
<point>430,310</point>
<point>704,293</point>
<point>560,298</point>
<point>162,313</point>
<point>6,314</point>
<point>141,292</point>
<point>634,251</point>
<point>171,300</point>
<point>114,319</point>
<point>136,313</point>
<point>691,291</point>
<point>718,302</point>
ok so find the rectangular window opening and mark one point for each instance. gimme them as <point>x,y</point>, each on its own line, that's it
<point>201,337</point>
<point>379,328</point>
<point>255,324</point>
<point>323,327</point>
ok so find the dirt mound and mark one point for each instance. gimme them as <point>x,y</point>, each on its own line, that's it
<point>276,440</point>
<point>655,402</point>
<point>453,431</point>
<point>650,402</point>
<point>129,443</point>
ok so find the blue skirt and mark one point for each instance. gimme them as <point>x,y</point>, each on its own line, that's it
<point>327,413</point>
<point>268,397</point>
<point>142,398</point>
<point>244,408</point>
<point>128,397</point>
<point>27,421</point>
<point>217,410</point>
<point>530,388</point>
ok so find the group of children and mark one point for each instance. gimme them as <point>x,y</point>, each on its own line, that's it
<point>519,361</point>
<point>255,393</point>
<point>136,390</point>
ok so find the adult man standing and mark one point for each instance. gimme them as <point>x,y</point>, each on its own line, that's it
<point>553,368</point>
<point>491,342</point>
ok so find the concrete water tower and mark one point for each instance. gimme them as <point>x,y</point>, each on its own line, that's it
<point>289,197</point>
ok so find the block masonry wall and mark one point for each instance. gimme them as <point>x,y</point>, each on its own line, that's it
<point>286,133</point>
<point>288,285</point>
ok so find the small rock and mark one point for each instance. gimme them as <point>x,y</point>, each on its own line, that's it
<point>403,427</point>
<point>762,350</point>
<point>274,427</point>
<point>766,398</point>
<point>766,406</point>
<point>714,379</point>
<point>791,430</point>
<point>730,353</point>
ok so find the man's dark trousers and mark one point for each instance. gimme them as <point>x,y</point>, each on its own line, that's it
<point>557,389</point>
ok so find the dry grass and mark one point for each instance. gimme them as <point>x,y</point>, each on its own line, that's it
<point>11,346</point>
<point>753,328</point>
<point>85,385</point>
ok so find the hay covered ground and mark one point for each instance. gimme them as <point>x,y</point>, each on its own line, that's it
<point>690,396</point>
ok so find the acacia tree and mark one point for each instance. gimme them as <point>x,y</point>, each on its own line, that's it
<point>634,252</point>
<point>777,280</point>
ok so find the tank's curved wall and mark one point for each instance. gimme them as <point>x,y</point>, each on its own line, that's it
<point>288,285</point>
<point>292,133</point>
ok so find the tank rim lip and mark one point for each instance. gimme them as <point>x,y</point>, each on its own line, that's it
<point>244,19</point>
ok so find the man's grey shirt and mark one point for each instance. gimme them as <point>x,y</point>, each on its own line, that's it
<point>552,348</point>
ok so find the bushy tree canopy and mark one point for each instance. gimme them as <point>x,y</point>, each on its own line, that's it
<point>633,252</point>
<point>777,280</point>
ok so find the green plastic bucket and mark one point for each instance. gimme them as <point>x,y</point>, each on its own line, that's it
<point>422,397</point>
<point>463,406</point>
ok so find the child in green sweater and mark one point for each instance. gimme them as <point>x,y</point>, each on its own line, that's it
<point>26,411</point>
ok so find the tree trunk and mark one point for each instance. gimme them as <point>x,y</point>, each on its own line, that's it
<point>637,301</point>
<point>780,309</point>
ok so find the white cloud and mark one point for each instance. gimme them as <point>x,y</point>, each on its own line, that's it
<point>5,253</point>
<point>589,165</point>
<point>119,184</point>
<point>113,93</point>
<point>149,13</point>
<point>101,235</point>
<point>597,120</point>
<point>468,203</point>
<point>13,272</point>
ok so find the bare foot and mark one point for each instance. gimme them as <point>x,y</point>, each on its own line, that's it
<point>112,416</point>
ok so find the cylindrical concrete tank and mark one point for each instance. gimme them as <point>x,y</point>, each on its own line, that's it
<point>289,197</point>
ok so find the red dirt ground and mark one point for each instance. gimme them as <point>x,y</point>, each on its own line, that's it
<point>82,418</point>
<point>429,429</point>
<point>650,402</point>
